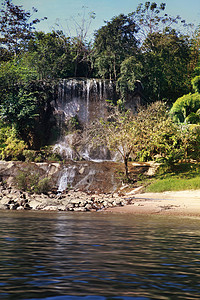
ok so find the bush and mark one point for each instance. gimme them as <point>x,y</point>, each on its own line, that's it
<point>21,181</point>
<point>30,181</point>
<point>11,147</point>
<point>29,155</point>
<point>43,186</point>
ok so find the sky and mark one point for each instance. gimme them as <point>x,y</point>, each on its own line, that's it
<point>66,12</point>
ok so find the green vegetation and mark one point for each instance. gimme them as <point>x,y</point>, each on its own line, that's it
<point>148,135</point>
<point>184,177</point>
<point>146,45</point>
<point>174,184</point>
<point>30,181</point>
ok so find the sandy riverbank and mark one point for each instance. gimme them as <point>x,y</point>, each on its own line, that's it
<point>185,203</point>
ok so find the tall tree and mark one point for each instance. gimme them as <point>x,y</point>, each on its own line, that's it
<point>113,43</point>
<point>16,26</point>
<point>151,18</point>
<point>166,58</point>
<point>50,55</point>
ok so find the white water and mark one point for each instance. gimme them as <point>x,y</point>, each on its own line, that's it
<point>66,178</point>
<point>86,100</point>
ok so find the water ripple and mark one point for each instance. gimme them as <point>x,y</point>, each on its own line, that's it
<point>98,256</point>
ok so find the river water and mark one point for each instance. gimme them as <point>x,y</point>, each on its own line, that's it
<point>86,256</point>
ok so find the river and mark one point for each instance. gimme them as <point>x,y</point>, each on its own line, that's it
<point>98,256</point>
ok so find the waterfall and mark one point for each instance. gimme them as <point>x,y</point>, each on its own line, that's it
<point>66,178</point>
<point>87,99</point>
<point>84,99</point>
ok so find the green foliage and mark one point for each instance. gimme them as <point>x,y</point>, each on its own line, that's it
<point>185,107</point>
<point>11,147</point>
<point>21,181</point>
<point>113,43</point>
<point>51,55</point>
<point>73,124</point>
<point>152,18</point>
<point>149,135</point>
<point>43,155</point>
<point>165,59</point>
<point>158,137</point>
<point>25,102</point>
<point>30,181</point>
<point>43,186</point>
<point>129,73</point>
<point>196,84</point>
<point>15,26</point>
<point>182,177</point>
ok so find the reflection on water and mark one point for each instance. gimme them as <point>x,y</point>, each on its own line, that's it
<point>98,256</point>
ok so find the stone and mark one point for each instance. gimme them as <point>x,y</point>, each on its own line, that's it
<point>3,206</point>
<point>88,207</point>
<point>79,209</point>
<point>4,200</point>
<point>20,208</point>
<point>50,207</point>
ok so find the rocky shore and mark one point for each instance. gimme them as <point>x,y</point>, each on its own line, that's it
<point>182,203</point>
<point>70,200</point>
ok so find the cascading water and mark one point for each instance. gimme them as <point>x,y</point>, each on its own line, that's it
<point>86,100</point>
<point>66,178</point>
<point>89,176</point>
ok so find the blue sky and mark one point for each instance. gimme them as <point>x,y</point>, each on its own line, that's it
<point>65,10</point>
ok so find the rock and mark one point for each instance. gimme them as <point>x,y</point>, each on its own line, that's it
<point>50,207</point>
<point>123,203</point>
<point>20,208</point>
<point>27,206</point>
<point>81,171</point>
<point>14,206</point>
<point>4,200</point>
<point>88,207</point>
<point>3,206</point>
<point>79,209</point>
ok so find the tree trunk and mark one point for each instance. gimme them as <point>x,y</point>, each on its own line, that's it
<point>126,167</point>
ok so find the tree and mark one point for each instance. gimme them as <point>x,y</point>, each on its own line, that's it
<point>158,136</point>
<point>151,18</point>
<point>25,102</point>
<point>165,60</point>
<point>50,55</point>
<point>16,26</point>
<point>186,109</point>
<point>116,132</point>
<point>113,43</point>
<point>78,29</point>
<point>196,84</point>
<point>130,71</point>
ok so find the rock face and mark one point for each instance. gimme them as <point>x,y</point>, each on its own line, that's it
<point>81,186</point>
<point>84,98</point>
<point>85,176</point>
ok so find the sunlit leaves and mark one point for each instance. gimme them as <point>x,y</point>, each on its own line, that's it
<point>16,26</point>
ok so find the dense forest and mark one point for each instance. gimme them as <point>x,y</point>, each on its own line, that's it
<point>161,51</point>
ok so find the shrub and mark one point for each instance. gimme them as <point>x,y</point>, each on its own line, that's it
<point>30,181</point>
<point>43,186</point>
<point>11,147</point>
<point>21,181</point>
<point>29,155</point>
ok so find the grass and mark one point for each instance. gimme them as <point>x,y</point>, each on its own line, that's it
<point>174,184</point>
<point>182,177</point>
